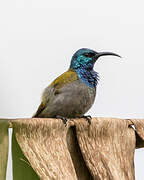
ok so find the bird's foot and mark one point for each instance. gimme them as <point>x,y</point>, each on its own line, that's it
<point>88,118</point>
<point>64,120</point>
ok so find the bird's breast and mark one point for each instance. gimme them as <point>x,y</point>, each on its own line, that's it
<point>77,98</point>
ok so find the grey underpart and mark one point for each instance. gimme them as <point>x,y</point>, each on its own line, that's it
<point>70,101</point>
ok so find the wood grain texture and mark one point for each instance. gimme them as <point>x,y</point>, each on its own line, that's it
<point>43,142</point>
<point>81,169</point>
<point>103,150</point>
<point>108,148</point>
<point>139,128</point>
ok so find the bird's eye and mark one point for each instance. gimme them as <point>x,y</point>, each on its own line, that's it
<point>86,54</point>
<point>89,54</point>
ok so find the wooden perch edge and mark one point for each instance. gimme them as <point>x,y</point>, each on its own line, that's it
<point>103,150</point>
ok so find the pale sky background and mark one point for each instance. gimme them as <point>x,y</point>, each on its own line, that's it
<point>38,38</point>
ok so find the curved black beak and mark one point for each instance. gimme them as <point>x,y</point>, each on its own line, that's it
<point>105,54</point>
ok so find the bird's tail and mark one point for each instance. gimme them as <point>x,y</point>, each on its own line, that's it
<point>39,111</point>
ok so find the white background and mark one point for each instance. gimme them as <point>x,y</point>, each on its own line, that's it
<point>38,38</point>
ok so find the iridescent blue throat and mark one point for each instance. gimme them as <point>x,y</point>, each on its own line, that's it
<point>89,77</point>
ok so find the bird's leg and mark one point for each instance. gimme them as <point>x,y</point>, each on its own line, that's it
<point>64,120</point>
<point>88,118</point>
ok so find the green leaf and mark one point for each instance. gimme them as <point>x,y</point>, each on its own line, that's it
<point>22,169</point>
<point>3,148</point>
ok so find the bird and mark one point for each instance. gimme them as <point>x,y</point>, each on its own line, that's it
<point>73,93</point>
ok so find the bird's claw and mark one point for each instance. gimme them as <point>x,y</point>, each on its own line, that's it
<point>88,118</point>
<point>64,120</point>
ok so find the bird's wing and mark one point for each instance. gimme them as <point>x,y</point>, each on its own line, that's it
<point>67,77</point>
<point>54,89</point>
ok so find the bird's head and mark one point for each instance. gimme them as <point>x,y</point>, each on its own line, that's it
<point>86,58</point>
